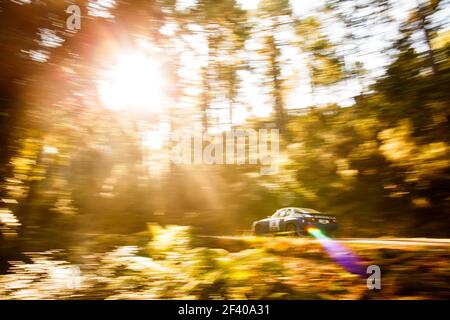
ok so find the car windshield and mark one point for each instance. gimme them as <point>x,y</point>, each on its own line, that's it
<point>306,210</point>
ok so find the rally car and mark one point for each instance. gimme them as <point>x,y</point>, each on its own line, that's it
<point>295,221</point>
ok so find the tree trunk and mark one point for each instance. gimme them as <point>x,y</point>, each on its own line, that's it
<point>423,23</point>
<point>277,87</point>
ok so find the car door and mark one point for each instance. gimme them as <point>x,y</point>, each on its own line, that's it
<point>275,220</point>
<point>287,213</point>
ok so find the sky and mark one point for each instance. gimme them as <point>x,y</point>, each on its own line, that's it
<point>370,53</point>
<point>253,99</point>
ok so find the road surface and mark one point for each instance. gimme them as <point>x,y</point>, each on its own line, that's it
<point>378,241</point>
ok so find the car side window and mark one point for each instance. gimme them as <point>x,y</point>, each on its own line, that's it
<point>284,213</point>
<point>278,214</point>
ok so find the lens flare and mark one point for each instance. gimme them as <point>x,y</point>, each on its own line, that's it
<point>340,254</point>
<point>135,82</point>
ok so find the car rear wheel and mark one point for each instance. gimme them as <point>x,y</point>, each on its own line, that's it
<point>291,230</point>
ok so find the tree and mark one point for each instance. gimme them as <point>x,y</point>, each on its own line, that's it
<point>276,16</point>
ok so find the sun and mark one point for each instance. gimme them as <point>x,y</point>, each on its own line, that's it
<point>134,83</point>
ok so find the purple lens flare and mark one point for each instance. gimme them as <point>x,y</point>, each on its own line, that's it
<point>339,253</point>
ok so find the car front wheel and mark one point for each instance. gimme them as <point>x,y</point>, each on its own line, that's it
<point>291,230</point>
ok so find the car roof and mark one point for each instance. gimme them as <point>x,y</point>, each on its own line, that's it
<point>302,210</point>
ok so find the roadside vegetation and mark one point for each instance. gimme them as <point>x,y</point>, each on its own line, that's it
<point>170,263</point>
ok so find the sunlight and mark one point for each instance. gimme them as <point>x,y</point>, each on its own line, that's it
<point>152,139</point>
<point>135,82</point>
<point>249,4</point>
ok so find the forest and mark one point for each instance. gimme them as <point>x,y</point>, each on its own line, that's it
<point>92,93</point>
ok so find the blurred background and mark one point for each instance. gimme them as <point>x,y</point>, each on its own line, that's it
<point>358,89</point>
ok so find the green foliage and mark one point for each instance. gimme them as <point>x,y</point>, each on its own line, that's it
<point>325,67</point>
<point>77,176</point>
<point>171,268</point>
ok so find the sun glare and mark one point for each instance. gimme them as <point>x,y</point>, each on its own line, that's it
<point>152,139</point>
<point>134,83</point>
